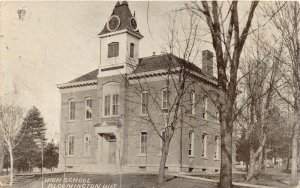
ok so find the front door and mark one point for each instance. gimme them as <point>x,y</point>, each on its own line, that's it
<point>112,147</point>
<point>107,149</point>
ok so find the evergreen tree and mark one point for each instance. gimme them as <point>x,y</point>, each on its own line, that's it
<point>28,152</point>
<point>51,155</point>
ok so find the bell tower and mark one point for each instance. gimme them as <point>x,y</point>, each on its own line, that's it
<point>119,42</point>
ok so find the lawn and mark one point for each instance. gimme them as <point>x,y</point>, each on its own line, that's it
<point>110,181</point>
<point>272,177</point>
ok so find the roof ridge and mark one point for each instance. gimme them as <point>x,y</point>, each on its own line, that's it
<point>152,56</point>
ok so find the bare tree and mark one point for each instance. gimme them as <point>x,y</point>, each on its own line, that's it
<point>228,46</point>
<point>11,117</point>
<point>2,152</point>
<point>178,79</point>
<point>260,69</point>
<point>287,24</point>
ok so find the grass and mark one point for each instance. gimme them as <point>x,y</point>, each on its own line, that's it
<point>272,177</point>
<point>109,181</point>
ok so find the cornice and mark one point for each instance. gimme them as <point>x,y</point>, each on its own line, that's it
<point>77,84</point>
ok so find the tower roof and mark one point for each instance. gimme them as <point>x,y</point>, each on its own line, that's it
<point>122,11</point>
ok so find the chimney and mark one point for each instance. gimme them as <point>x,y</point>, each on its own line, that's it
<point>153,54</point>
<point>207,62</point>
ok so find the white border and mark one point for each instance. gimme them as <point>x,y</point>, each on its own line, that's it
<point>107,24</point>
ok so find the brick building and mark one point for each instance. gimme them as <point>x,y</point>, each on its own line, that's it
<point>104,113</point>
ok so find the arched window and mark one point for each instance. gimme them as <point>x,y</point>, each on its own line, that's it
<point>143,144</point>
<point>113,49</point>
<point>204,145</point>
<point>191,145</point>
<point>71,109</point>
<point>132,50</point>
<point>88,108</point>
<point>70,146</point>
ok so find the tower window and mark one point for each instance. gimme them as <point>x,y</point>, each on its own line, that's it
<point>113,49</point>
<point>131,50</point>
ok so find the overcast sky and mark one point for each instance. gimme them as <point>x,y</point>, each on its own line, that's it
<point>56,42</point>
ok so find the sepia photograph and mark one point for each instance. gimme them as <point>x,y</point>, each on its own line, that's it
<point>149,94</point>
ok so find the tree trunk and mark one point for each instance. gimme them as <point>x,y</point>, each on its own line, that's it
<point>295,148</point>
<point>251,168</point>
<point>1,158</point>
<point>226,155</point>
<point>287,164</point>
<point>288,160</point>
<point>260,161</point>
<point>11,165</point>
<point>253,157</point>
<point>163,160</point>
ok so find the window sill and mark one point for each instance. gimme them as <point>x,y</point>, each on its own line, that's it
<point>216,159</point>
<point>144,115</point>
<point>142,155</point>
<point>204,158</point>
<point>71,121</point>
<point>86,156</point>
<point>191,156</point>
<point>90,119</point>
<point>111,116</point>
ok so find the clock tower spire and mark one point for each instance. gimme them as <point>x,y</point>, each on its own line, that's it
<point>119,42</point>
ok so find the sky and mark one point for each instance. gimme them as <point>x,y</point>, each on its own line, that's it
<point>55,42</point>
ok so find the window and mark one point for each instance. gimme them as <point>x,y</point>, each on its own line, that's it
<point>217,147</point>
<point>115,105</point>
<point>192,98</point>
<point>217,120</point>
<point>111,107</point>
<point>165,100</point>
<point>191,145</point>
<point>204,108</point>
<point>70,146</point>
<point>144,140</point>
<point>145,100</point>
<point>113,49</point>
<point>131,50</point>
<point>87,144</point>
<point>71,109</point>
<point>107,105</point>
<point>204,145</point>
<point>88,108</point>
